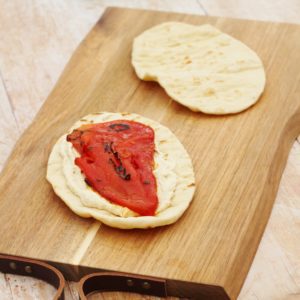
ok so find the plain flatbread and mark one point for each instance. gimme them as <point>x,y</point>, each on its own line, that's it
<point>173,171</point>
<point>200,67</point>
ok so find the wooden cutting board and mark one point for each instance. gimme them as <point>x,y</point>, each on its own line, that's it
<point>238,162</point>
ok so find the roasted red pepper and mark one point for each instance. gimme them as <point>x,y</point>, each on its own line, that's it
<point>117,160</point>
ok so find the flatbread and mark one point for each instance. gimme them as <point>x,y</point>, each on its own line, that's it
<point>173,171</point>
<point>200,67</point>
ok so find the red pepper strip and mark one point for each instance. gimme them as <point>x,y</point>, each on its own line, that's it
<point>117,160</point>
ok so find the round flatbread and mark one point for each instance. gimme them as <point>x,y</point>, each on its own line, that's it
<point>173,172</point>
<point>200,67</point>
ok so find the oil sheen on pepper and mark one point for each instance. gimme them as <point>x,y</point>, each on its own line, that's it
<point>117,160</point>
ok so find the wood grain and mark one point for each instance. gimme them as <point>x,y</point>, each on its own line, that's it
<point>276,10</point>
<point>277,259</point>
<point>24,45</point>
<point>249,154</point>
<point>9,128</point>
<point>275,270</point>
<point>22,288</point>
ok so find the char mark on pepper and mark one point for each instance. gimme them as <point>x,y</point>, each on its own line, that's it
<point>119,127</point>
<point>76,134</point>
<point>116,162</point>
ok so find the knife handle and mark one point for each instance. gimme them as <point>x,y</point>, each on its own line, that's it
<point>122,282</point>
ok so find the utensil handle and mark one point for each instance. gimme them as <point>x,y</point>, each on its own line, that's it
<point>122,282</point>
<point>33,268</point>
